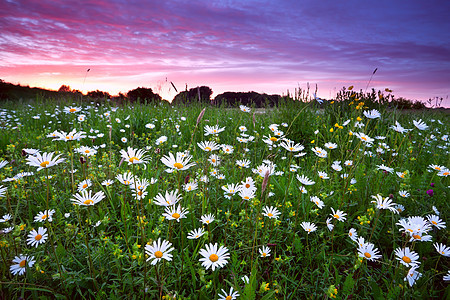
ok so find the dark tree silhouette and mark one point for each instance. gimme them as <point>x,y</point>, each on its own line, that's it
<point>98,94</point>
<point>143,94</point>
<point>65,89</point>
<point>248,99</point>
<point>199,94</point>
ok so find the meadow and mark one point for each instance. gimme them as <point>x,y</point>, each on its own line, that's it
<point>194,202</point>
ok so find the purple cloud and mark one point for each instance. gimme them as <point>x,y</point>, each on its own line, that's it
<point>268,46</point>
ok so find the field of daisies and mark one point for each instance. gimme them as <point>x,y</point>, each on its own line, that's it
<point>190,202</point>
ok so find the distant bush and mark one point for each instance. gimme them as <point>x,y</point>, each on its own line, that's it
<point>143,95</point>
<point>249,99</point>
<point>200,94</point>
<point>98,94</point>
<point>402,103</point>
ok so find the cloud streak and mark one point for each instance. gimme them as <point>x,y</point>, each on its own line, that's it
<point>228,45</point>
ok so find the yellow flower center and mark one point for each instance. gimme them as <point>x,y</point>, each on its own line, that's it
<point>246,197</point>
<point>88,202</point>
<point>72,110</point>
<point>291,148</point>
<point>417,237</point>
<point>87,151</point>
<point>364,138</point>
<point>44,164</point>
<point>247,185</point>
<point>140,193</point>
<point>336,216</point>
<point>228,298</point>
<point>158,254</point>
<point>178,165</point>
<point>208,148</point>
<point>213,160</point>
<point>367,255</point>
<point>85,185</point>
<point>176,215</point>
<point>44,217</point>
<point>213,257</point>
<point>406,259</point>
<point>23,263</point>
<point>434,222</point>
<point>38,237</point>
<point>270,215</point>
<point>264,254</point>
<point>273,139</point>
<point>132,159</point>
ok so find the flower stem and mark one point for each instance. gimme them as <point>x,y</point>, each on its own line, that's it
<point>49,225</point>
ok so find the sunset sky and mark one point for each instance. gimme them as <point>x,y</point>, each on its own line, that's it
<point>263,46</point>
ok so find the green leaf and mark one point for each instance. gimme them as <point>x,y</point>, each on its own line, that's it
<point>60,250</point>
<point>269,295</point>
<point>250,287</point>
<point>298,246</point>
<point>377,293</point>
<point>348,284</point>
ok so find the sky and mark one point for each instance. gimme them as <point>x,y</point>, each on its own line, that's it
<point>264,46</point>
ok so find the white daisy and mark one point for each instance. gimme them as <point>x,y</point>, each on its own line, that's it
<point>207,219</point>
<point>158,251</point>
<point>305,180</point>
<point>21,263</point>
<point>308,227</point>
<point>170,198</point>
<point>85,198</point>
<point>264,251</point>
<point>175,213</point>
<point>214,257</point>
<point>271,212</point>
<point>407,257</point>
<point>413,275</point>
<point>35,238</point>
<point>195,233</point>
<point>46,160</point>
<point>44,215</point>
<point>232,295</point>
<point>339,215</point>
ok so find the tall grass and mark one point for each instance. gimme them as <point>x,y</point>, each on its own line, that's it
<point>99,249</point>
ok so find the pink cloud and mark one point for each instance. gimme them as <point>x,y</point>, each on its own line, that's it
<point>228,45</point>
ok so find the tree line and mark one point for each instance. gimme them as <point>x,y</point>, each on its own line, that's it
<point>201,94</point>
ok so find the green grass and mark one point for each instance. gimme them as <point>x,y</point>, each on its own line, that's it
<point>98,251</point>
